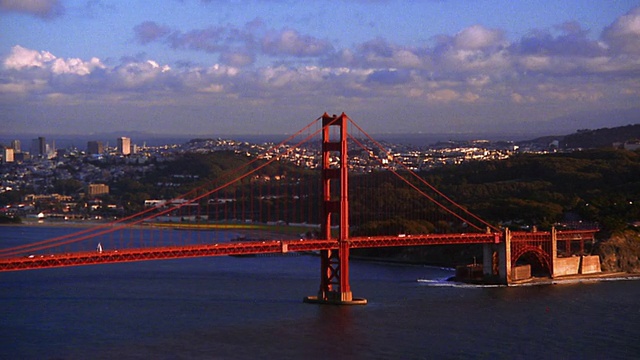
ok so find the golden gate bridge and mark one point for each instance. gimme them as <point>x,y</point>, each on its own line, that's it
<point>261,194</point>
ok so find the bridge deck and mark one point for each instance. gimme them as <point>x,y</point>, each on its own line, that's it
<point>39,261</point>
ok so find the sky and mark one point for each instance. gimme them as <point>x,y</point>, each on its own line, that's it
<point>218,67</point>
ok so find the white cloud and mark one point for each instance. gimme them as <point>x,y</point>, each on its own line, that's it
<point>22,58</point>
<point>624,34</point>
<point>76,66</point>
<point>477,37</point>
<point>290,42</point>
<point>134,75</point>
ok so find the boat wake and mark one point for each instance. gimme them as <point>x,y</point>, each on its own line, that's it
<point>447,283</point>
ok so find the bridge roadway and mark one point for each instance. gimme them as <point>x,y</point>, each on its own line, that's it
<point>39,261</point>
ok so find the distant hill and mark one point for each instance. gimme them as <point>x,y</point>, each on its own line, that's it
<point>591,139</point>
<point>601,137</point>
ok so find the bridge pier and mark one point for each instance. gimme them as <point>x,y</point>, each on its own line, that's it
<point>496,260</point>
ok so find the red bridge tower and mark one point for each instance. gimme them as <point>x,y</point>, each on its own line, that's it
<point>334,263</point>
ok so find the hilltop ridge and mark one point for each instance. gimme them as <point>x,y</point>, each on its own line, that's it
<point>591,138</point>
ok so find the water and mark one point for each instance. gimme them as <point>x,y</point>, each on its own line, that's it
<point>229,307</point>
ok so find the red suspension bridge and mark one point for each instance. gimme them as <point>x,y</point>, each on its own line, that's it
<point>323,200</point>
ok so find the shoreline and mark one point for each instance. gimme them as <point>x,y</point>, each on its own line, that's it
<point>565,280</point>
<point>578,279</point>
<point>60,223</point>
<point>252,232</point>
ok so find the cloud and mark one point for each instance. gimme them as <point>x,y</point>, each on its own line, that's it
<point>235,45</point>
<point>390,77</point>
<point>379,53</point>
<point>22,58</point>
<point>624,34</point>
<point>443,95</point>
<point>46,9</point>
<point>75,66</point>
<point>574,42</point>
<point>139,76</point>
<point>477,37</point>
<point>150,31</point>
<point>238,46</point>
<point>261,68</point>
<point>291,43</point>
<point>40,71</point>
<point>210,40</point>
<point>239,58</point>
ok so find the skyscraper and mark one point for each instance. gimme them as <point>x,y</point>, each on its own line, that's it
<point>95,147</point>
<point>124,145</point>
<point>39,147</point>
<point>15,145</point>
<point>7,155</point>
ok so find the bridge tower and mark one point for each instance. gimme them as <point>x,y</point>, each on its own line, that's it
<point>334,263</point>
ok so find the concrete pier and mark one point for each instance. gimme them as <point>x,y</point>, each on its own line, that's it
<point>334,300</point>
<point>566,266</point>
<point>590,264</point>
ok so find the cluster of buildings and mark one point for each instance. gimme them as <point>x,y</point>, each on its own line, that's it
<point>370,157</point>
<point>36,173</point>
<point>39,172</point>
<point>40,149</point>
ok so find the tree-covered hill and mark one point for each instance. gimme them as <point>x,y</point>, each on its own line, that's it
<point>596,186</point>
<point>590,138</point>
<point>600,186</point>
<point>605,137</point>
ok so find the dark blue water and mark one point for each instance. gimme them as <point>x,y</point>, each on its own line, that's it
<point>228,307</point>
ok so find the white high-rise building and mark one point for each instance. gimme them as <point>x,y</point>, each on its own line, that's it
<point>7,155</point>
<point>124,145</point>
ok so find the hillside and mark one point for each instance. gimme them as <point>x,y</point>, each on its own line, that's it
<point>601,137</point>
<point>599,186</point>
<point>590,138</point>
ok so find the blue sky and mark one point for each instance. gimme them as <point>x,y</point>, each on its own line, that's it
<point>264,67</point>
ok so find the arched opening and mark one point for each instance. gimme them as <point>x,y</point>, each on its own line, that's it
<point>539,263</point>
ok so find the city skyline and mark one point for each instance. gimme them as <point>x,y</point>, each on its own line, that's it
<point>251,67</point>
